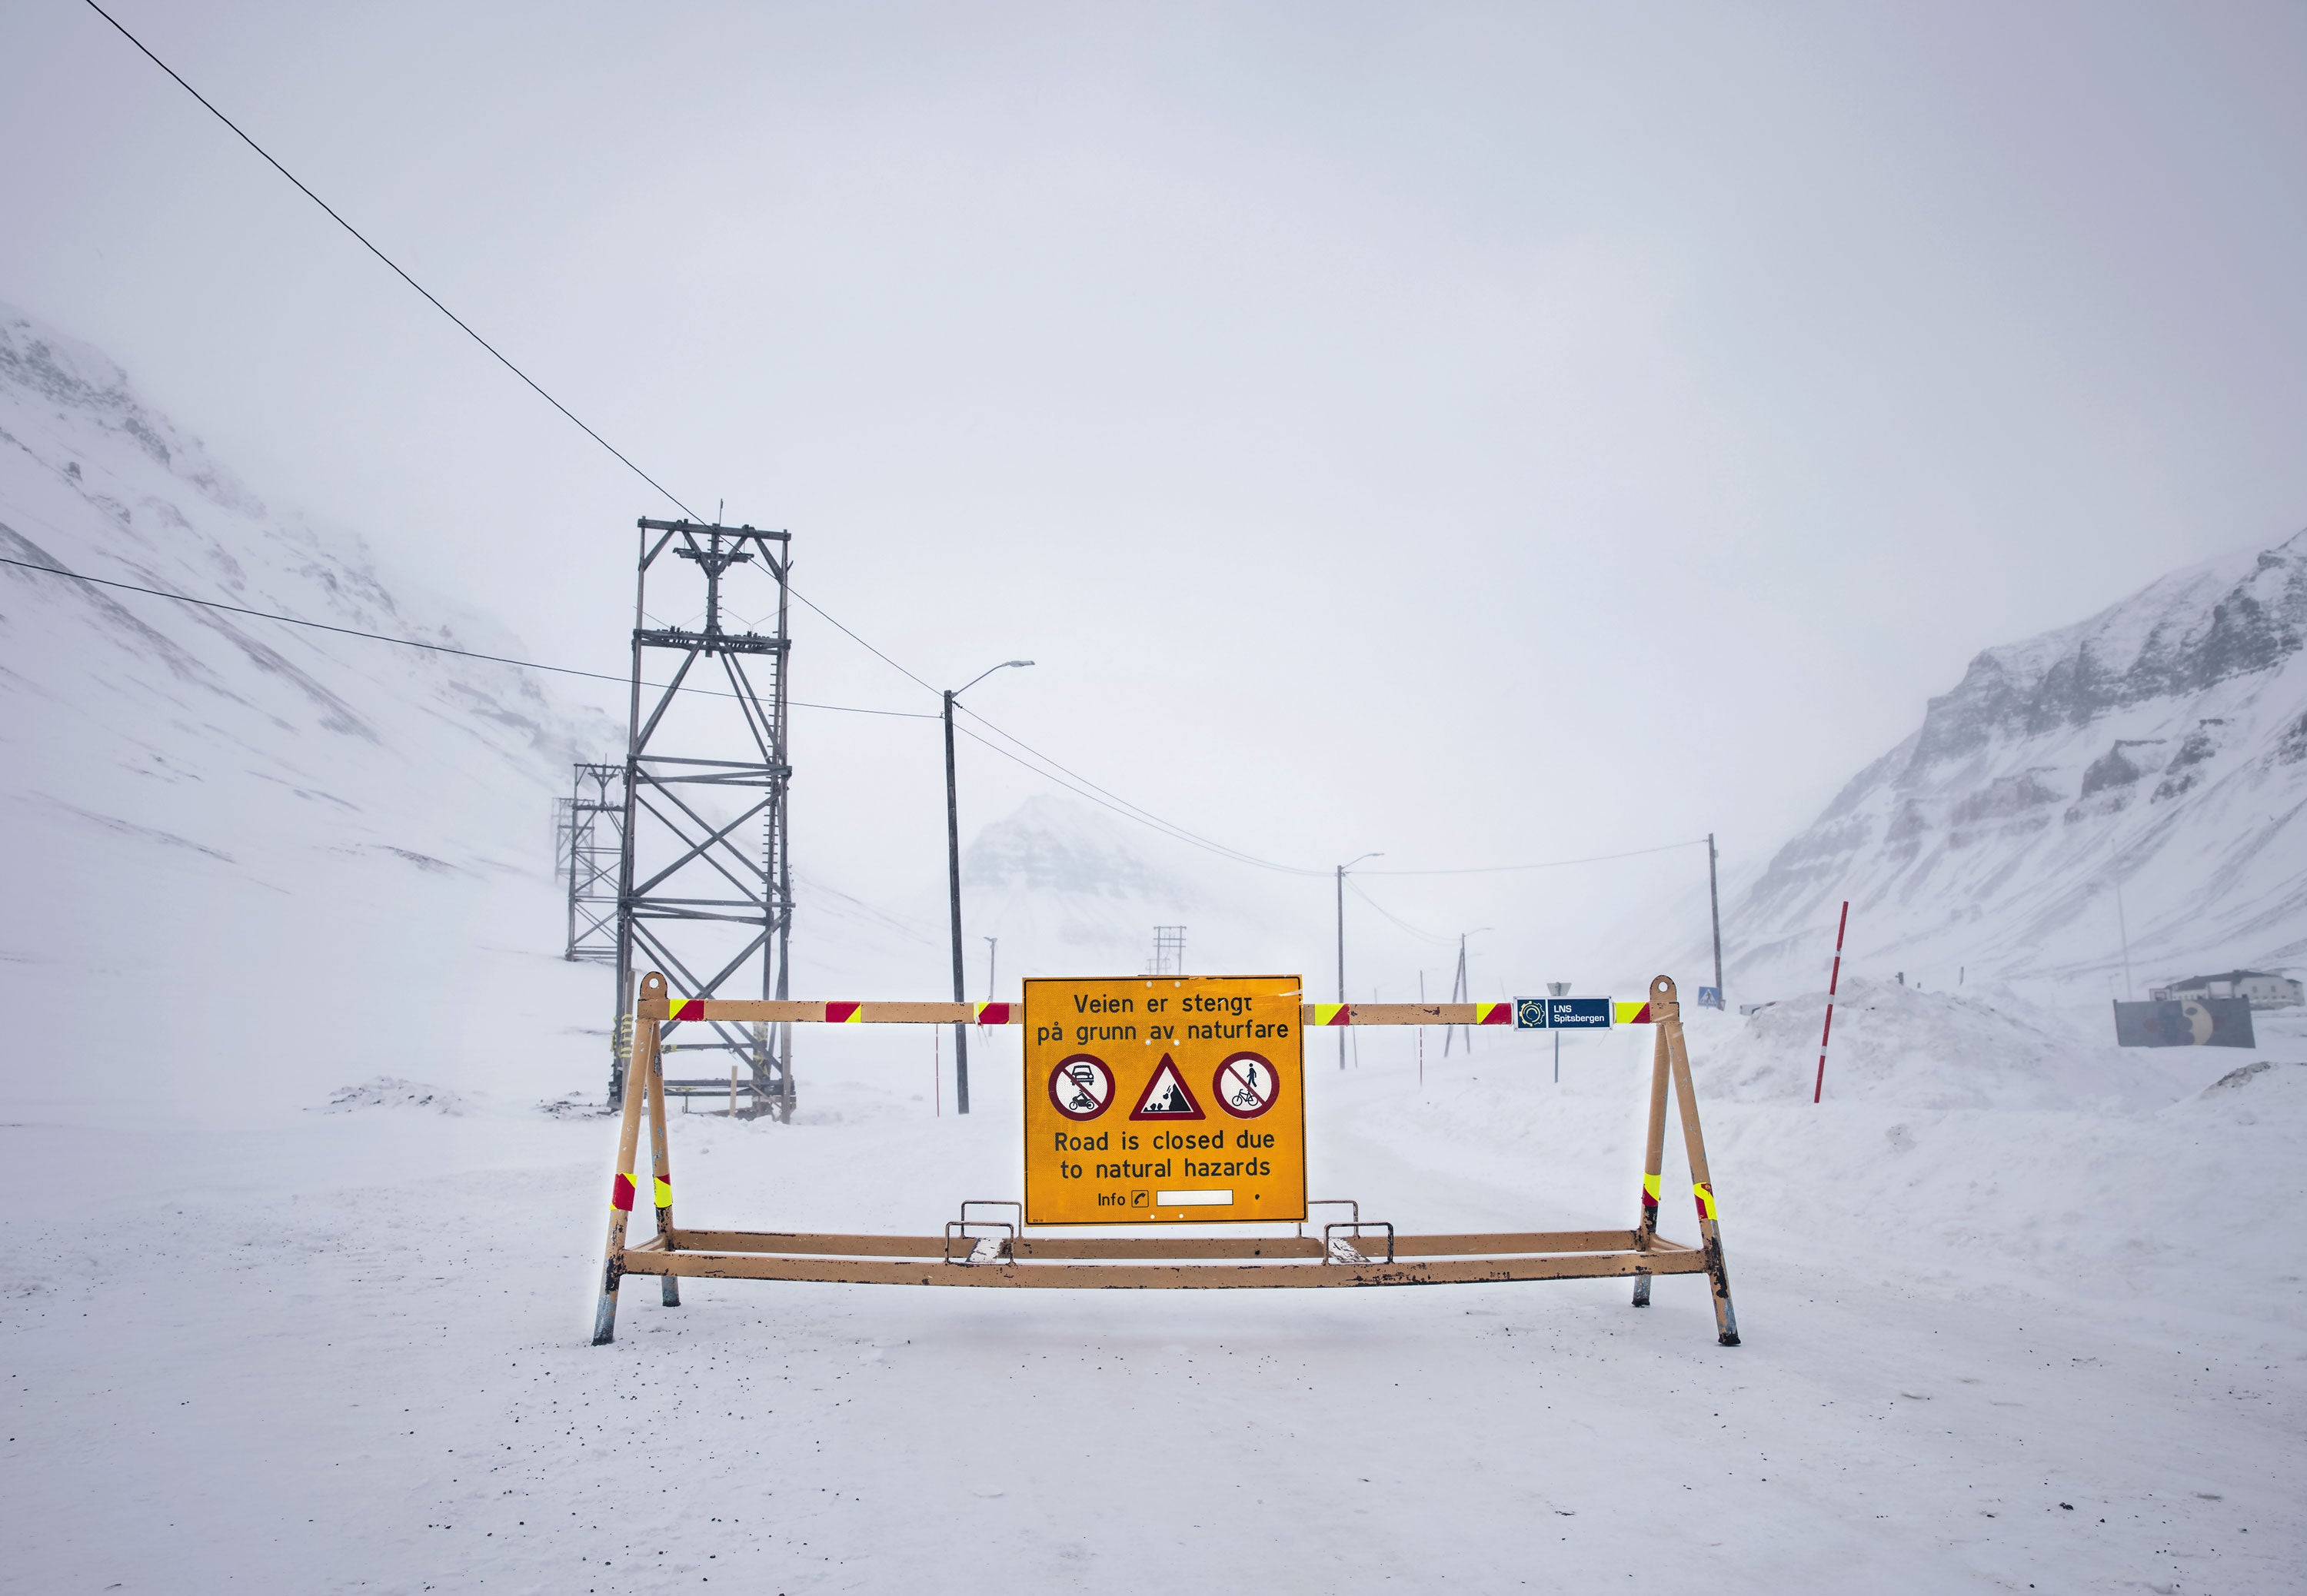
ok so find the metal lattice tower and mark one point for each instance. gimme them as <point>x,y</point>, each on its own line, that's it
<point>704,883</point>
<point>1169,951</point>
<point>588,839</point>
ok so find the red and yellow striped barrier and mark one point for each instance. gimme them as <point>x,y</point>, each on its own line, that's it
<point>959,1256</point>
<point>854,1012</point>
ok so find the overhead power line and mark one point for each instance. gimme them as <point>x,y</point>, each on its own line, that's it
<point>1130,812</point>
<point>438,648</point>
<point>1076,783</point>
<point>1399,923</point>
<point>390,262</point>
<point>1136,811</point>
<point>434,300</point>
<point>1147,816</point>
<point>1597,858</point>
<point>861,643</point>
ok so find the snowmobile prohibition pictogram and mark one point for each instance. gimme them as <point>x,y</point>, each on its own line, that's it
<point>1081,1086</point>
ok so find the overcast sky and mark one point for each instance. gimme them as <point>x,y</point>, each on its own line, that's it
<point>1479,434</point>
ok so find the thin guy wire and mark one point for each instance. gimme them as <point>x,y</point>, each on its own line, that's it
<point>438,648</point>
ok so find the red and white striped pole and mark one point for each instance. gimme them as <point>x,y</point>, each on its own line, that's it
<point>1832,982</point>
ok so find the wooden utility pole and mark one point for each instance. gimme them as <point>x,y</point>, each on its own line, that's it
<point>1714,902</point>
<point>953,882</point>
<point>1349,864</point>
<point>1342,958</point>
<point>1459,993</point>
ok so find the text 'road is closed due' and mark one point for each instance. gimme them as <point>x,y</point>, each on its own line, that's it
<point>1164,1099</point>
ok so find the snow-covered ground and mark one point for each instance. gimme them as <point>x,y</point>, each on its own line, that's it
<point>1986,1348</point>
<point>307,1206</point>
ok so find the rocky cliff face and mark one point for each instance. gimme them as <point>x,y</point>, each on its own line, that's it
<point>2161,744</point>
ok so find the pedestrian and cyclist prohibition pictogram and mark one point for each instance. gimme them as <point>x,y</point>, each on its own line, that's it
<point>1245,1084</point>
<point>1081,1086</point>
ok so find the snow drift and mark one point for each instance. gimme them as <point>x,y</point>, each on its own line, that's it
<point>1895,1045</point>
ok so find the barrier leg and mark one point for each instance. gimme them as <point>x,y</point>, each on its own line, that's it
<point>1653,1150</point>
<point>662,1169</point>
<point>1667,1012</point>
<point>621,1187</point>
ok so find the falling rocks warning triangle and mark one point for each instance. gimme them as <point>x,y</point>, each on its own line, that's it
<point>1166,1096</point>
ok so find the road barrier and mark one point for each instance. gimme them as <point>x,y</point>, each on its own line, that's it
<point>1217,1130</point>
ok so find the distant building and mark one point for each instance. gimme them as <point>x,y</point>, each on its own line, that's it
<point>2264,988</point>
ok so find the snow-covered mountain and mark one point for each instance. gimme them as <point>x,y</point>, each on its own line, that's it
<point>1068,888</point>
<point>211,817</point>
<point>2160,745</point>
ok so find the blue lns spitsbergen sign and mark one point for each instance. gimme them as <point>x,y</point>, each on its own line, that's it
<point>1562,1013</point>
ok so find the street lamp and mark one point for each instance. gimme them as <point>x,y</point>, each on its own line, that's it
<point>1349,864</point>
<point>953,880</point>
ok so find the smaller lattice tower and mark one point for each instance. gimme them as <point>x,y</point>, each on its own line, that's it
<point>589,840</point>
<point>1169,951</point>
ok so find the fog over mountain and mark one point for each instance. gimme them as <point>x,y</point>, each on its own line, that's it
<point>211,815</point>
<point>1072,889</point>
<point>2161,744</point>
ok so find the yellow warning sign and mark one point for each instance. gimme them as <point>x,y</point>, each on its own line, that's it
<point>1164,1098</point>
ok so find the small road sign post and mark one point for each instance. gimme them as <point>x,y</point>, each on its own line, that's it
<point>1558,1014</point>
<point>1164,1099</point>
